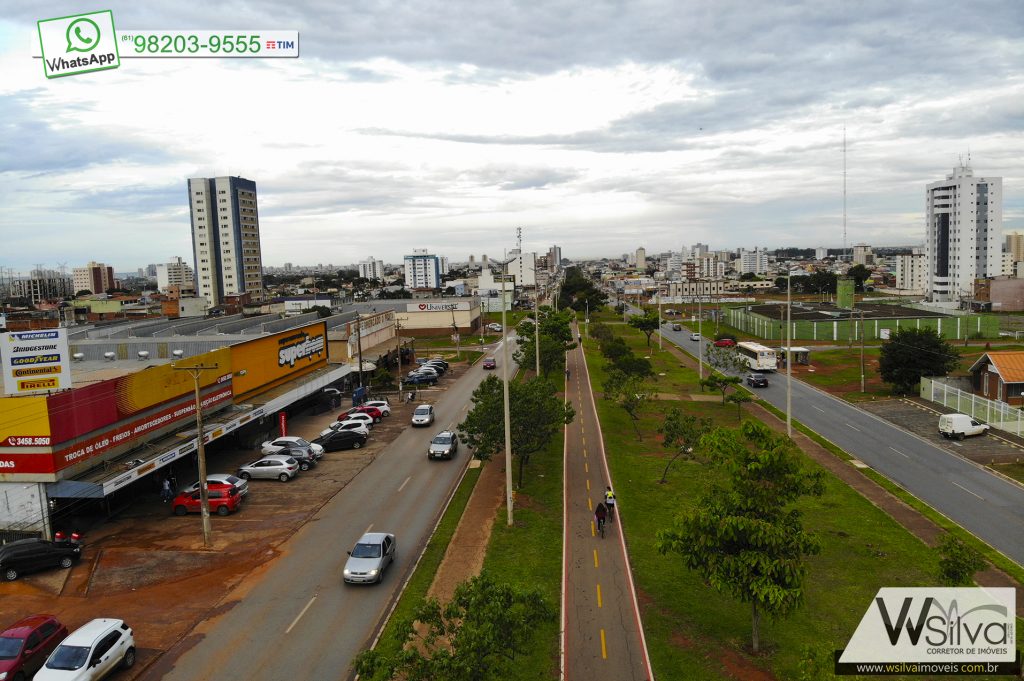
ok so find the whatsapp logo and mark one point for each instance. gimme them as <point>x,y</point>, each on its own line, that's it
<point>83,35</point>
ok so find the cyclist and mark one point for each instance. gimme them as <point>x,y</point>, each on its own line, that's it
<point>609,500</point>
<point>567,373</point>
<point>600,516</point>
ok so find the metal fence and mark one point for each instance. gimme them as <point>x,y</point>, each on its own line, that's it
<point>997,414</point>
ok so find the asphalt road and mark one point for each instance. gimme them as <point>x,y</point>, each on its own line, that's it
<point>980,502</point>
<point>298,620</point>
<point>602,635</point>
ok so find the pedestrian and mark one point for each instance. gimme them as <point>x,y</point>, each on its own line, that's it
<point>172,479</point>
<point>165,492</point>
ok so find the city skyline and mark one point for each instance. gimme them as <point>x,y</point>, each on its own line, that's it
<point>657,128</point>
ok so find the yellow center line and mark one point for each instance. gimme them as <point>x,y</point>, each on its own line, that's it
<point>590,506</point>
<point>588,484</point>
<point>586,467</point>
<point>604,647</point>
<point>593,532</point>
<point>600,604</point>
<point>595,557</point>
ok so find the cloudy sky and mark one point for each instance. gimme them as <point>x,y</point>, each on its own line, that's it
<point>445,124</point>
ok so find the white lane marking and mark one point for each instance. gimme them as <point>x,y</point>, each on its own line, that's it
<point>299,616</point>
<point>854,427</point>
<point>818,408</point>
<point>967,490</point>
<point>368,528</point>
<point>899,452</point>
<point>405,483</point>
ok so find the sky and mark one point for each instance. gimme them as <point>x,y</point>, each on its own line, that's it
<point>598,126</point>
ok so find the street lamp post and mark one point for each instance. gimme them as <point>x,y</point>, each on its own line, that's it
<point>204,497</point>
<point>504,393</point>
<point>659,319</point>
<point>536,321</point>
<point>789,356</point>
<point>359,347</point>
<point>700,340</point>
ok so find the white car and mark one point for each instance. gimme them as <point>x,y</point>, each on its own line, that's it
<point>280,444</point>
<point>348,424</point>
<point>224,479</point>
<point>494,326</point>
<point>423,415</point>
<point>91,652</point>
<point>365,418</point>
<point>383,405</point>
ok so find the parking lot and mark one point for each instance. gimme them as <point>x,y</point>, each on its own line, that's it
<point>149,567</point>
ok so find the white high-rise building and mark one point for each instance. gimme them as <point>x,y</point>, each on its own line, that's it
<point>820,253</point>
<point>422,270</point>
<point>95,277</point>
<point>755,261</point>
<point>371,268</point>
<point>641,258</point>
<point>910,270</point>
<point>174,273</point>
<point>225,238</point>
<point>964,221</point>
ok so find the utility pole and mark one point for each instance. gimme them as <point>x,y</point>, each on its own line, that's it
<point>536,318</point>
<point>659,319</point>
<point>789,355</point>
<point>700,341</point>
<point>398,337</point>
<point>586,321</point>
<point>504,389</point>
<point>862,350</point>
<point>204,497</point>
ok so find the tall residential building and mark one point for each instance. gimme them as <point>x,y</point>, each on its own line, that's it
<point>524,268</point>
<point>755,261</point>
<point>820,253</point>
<point>43,285</point>
<point>641,258</point>
<point>371,268</point>
<point>964,220</point>
<point>910,270</point>
<point>422,270</point>
<point>698,250</point>
<point>226,238</point>
<point>862,255</point>
<point>95,277</point>
<point>175,273</point>
<point>1015,246</point>
<point>554,258</point>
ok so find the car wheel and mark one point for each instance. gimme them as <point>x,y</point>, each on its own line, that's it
<point>959,436</point>
<point>128,661</point>
<point>356,445</point>
<point>180,510</point>
<point>223,510</point>
<point>10,574</point>
<point>304,466</point>
<point>245,476</point>
<point>66,562</point>
<point>283,477</point>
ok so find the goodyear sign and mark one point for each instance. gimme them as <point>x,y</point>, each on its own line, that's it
<point>35,361</point>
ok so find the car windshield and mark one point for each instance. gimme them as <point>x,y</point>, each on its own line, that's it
<point>9,648</point>
<point>443,440</point>
<point>366,551</point>
<point>422,411</point>
<point>68,657</point>
<point>299,442</point>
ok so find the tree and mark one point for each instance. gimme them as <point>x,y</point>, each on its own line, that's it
<point>860,273</point>
<point>476,636</point>
<point>600,332</point>
<point>739,399</point>
<point>647,322</point>
<point>537,414</point>
<point>910,354</point>
<point>681,432</point>
<point>629,392</point>
<point>83,292</point>
<point>721,383</point>
<point>322,311</point>
<point>631,365</point>
<point>614,348</point>
<point>958,562</point>
<point>746,540</point>
<point>725,359</point>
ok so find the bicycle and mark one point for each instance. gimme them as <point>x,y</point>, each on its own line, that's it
<point>600,526</point>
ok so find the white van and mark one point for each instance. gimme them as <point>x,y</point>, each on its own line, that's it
<point>960,426</point>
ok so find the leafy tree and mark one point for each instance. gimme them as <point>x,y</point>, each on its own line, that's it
<point>725,359</point>
<point>537,415</point>
<point>739,399</point>
<point>647,322</point>
<point>600,332</point>
<point>83,292</point>
<point>477,636</point>
<point>322,311</point>
<point>614,348</point>
<point>910,354</point>
<point>629,392</point>
<point>958,562</point>
<point>746,540</point>
<point>749,276</point>
<point>681,432</point>
<point>721,383</point>
<point>400,293</point>
<point>631,365</point>
<point>578,291</point>
<point>859,273</point>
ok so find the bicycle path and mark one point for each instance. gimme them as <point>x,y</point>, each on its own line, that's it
<point>602,635</point>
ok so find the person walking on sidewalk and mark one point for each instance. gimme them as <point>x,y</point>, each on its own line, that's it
<point>165,491</point>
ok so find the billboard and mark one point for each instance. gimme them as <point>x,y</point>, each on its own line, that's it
<point>35,361</point>
<point>24,422</point>
<point>265,362</point>
<point>438,307</point>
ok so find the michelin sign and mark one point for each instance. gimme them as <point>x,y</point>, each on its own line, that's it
<point>35,361</point>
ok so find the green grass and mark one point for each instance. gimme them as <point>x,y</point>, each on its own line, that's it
<point>1010,470</point>
<point>421,579</point>
<point>529,554</point>
<point>513,318</point>
<point>688,624</point>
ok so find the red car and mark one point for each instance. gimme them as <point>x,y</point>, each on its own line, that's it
<point>25,645</point>
<point>376,413</point>
<point>224,499</point>
<point>725,343</point>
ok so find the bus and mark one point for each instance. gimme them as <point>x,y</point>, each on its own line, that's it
<point>758,357</point>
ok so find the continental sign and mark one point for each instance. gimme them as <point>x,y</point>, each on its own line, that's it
<point>272,360</point>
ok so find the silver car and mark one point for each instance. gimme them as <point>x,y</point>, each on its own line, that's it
<point>351,424</point>
<point>223,478</point>
<point>444,445</point>
<point>284,468</point>
<point>372,554</point>
<point>286,442</point>
<point>423,415</point>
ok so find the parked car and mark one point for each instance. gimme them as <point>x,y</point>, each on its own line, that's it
<point>695,336</point>
<point>336,440</point>
<point>677,327</point>
<point>284,468</point>
<point>289,442</point>
<point>354,426</point>
<point>25,645</point>
<point>420,379</point>
<point>725,343</point>
<point>372,554</point>
<point>489,363</point>
<point>757,380</point>
<point>373,412</point>
<point>31,555</point>
<point>427,370</point>
<point>494,326</point>
<point>222,499</point>
<point>444,445</point>
<point>358,416</point>
<point>222,478</point>
<point>439,360</point>
<point>91,652</point>
<point>959,426</point>
<point>383,405</point>
<point>423,415</point>
<point>304,455</point>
